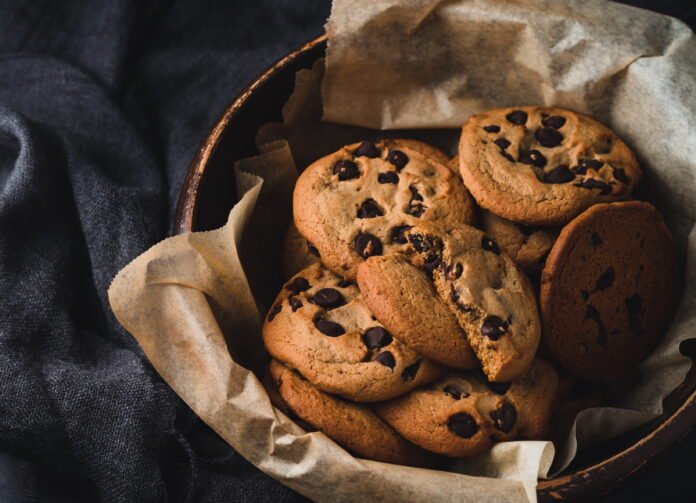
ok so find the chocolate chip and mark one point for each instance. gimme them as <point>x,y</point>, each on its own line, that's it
<point>367,149</point>
<point>620,175</point>
<point>585,164</point>
<point>274,310</point>
<point>388,177</point>
<point>634,306</point>
<point>370,209</point>
<point>507,156</point>
<point>431,263</point>
<point>454,271</point>
<point>330,328</point>
<point>591,313</point>
<point>344,283</point>
<point>312,249</point>
<point>376,337</point>
<point>489,245</point>
<point>426,244</point>
<point>409,373</point>
<point>346,170</point>
<point>555,121</point>
<point>455,392</point>
<point>328,298</point>
<point>463,425</point>
<point>295,303</point>
<point>605,280</point>
<point>502,143</point>
<point>548,137</point>
<point>585,294</point>
<point>454,296</point>
<point>491,129</point>
<point>297,285</point>
<point>386,359</point>
<point>559,174</point>
<point>499,388</point>
<point>504,417</point>
<point>494,327</point>
<point>367,245</point>
<point>415,195</point>
<point>533,157</point>
<point>397,234</point>
<point>415,210</point>
<point>596,240</point>
<point>517,117</point>
<point>398,159</point>
<point>591,183</point>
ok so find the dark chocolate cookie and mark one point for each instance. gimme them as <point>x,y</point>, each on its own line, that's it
<point>609,289</point>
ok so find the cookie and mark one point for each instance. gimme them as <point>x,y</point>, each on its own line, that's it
<point>463,414</point>
<point>353,426</point>
<point>320,326</point>
<point>390,285</point>
<point>543,166</point>
<point>355,203</point>
<point>608,290</point>
<point>526,245</point>
<point>491,298</point>
<point>297,253</point>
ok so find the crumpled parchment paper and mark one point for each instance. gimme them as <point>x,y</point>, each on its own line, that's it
<point>194,302</point>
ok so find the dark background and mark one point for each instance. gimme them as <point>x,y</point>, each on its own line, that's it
<point>102,107</point>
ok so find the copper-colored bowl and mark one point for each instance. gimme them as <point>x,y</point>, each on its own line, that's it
<point>208,194</point>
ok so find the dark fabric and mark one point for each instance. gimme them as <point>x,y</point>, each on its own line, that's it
<point>102,106</point>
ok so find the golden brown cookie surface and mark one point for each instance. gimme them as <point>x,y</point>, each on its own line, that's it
<point>351,204</point>
<point>463,414</point>
<point>320,326</point>
<point>543,165</point>
<point>353,426</point>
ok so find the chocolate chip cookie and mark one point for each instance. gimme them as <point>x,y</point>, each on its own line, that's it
<point>320,326</point>
<point>491,298</point>
<point>353,426</point>
<point>298,253</point>
<point>405,301</point>
<point>608,289</point>
<point>527,245</point>
<point>355,203</point>
<point>462,414</point>
<point>543,166</point>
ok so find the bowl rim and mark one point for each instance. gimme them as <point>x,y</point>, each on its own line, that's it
<point>596,479</point>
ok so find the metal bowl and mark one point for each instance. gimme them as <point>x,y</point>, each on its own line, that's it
<point>208,195</point>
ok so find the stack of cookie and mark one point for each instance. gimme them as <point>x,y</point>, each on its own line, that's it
<point>420,287</point>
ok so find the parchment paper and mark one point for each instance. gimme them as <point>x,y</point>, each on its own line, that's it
<point>194,302</point>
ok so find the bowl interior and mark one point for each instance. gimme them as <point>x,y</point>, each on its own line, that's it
<point>209,193</point>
